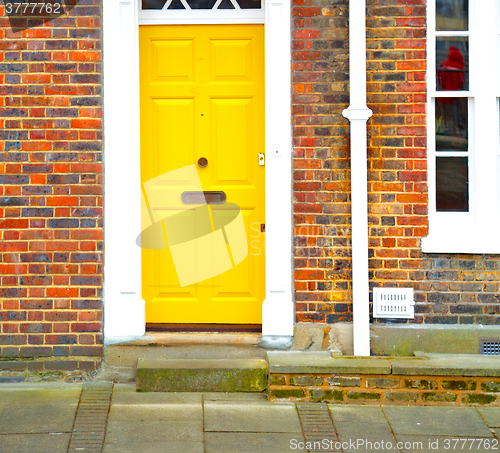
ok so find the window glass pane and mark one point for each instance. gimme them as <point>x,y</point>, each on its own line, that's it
<point>226,4</point>
<point>452,63</point>
<point>176,4</point>
<point>249,4</point>
<point>452,129</point>
<point>452,184</point>
<point>452,15</point>
<point>201,4</point>
<point>153,4</point>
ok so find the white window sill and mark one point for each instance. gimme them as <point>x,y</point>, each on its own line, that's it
<point>460,242</point>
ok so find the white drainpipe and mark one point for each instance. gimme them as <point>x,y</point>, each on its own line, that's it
<point>358,113</point>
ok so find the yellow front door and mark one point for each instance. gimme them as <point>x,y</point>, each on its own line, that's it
<point>202,96</point>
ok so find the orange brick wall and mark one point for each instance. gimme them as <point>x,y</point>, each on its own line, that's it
<point>51,190</point>
<point>449,289</point>
<point>51,247</point>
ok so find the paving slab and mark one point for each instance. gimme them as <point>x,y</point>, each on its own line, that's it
<point>34,443</point>
<point>156,447</point>
<point>448,365</point>
<point>323,362</point>
<point>361,423</point>
<point>437,421</point>
<point>433,444</point>
<point>40,386</point>
<point>252,442</point>
<point>152,431</point>
<point>164,412</point>
<point>491,416</point>
<point>38,410</point>
<point>126,394</point>
<point>255,416</point>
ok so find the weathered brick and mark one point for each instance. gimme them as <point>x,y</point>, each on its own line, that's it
<point>363,396</point>
<point>382,383</point>
<point>478,398</point>
<point>277,380</point>
<point>61,365</point>
<point>12,366</point>
<point>459,385</point>
<point>490,386</point>
<point>398,396</point>
<point>421,384</point>
<point>286,393</point>
<point>439,396</point>
<point>327,395</point>
<point>344,381</point>
<point>35,351</point>
<point>306,381</point>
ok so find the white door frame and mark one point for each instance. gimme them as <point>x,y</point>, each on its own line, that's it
<point>124,312</point>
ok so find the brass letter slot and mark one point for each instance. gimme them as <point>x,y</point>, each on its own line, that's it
<point>209,197</point>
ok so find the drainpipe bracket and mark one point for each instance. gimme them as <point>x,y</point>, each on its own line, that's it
<point>357,114</point>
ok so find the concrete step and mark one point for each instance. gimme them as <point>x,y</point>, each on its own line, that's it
<point>201,375</point>
<point>184,346</point>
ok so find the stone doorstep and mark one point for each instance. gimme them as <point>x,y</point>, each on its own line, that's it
<point>201,375</point>
<point>322,362</point>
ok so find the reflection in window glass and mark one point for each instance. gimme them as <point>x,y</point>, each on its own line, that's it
<point>452,184</point>
<point>452,63</point>
<point>249,4</point>
<point>226,4</point>
<point>452,15</point>
<point>451,124</point>
<point>176,4</point>
<point>153,4</point>
<point>201,4</point>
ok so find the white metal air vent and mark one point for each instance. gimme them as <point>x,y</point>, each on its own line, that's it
<point>489,347</point>
<point>393,303</point>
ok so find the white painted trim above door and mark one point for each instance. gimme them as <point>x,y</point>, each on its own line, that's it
<point>124,314</point>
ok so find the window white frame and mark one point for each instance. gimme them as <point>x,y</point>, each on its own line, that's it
<point>476,231</point>
<point>202,16</point>
<point>124,314</point>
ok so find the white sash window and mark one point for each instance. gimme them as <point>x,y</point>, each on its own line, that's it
<point>463,126</point>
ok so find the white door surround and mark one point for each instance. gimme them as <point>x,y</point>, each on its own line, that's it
<point>124,314</point>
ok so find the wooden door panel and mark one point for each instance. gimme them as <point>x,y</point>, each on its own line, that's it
<point>202,95</point>
<point>231,139</point>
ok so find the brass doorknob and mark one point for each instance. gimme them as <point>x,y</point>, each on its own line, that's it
<point>202,162</point>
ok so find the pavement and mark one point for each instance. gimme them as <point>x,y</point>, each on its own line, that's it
<point>57,418</point>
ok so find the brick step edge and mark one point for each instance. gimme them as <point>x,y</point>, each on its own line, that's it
<point>385,389</point>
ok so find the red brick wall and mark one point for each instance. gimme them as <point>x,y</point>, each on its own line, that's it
<point>397,166</point>
<point>449,289</point>
<point>321,160</point>
<point>51,190</point>
<point>51,180</point>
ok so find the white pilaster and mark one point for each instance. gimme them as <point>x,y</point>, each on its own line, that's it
<point>277,308</point>
<point>123,305</point>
